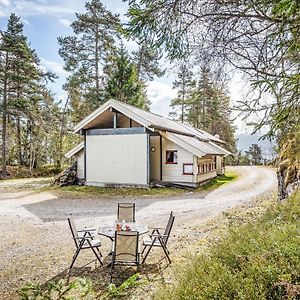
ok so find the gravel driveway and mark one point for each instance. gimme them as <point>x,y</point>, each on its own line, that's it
<point>35,238</point>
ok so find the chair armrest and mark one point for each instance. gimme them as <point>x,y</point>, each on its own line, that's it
<point>87,229</point>
<point>158,235</point>
<point>86,237</point>
<point>156,228</point>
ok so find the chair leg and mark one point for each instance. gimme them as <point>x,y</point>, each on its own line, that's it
<point>76,253</point>
<point>99,259</point>
<point>165,249</point>
<point>150,247</point>
<point>143,250</point>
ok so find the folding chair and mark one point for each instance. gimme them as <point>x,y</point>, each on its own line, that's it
<point>157,239</point>
<point>126,211</point>
<point>125,249</point>
<point>86,241</point>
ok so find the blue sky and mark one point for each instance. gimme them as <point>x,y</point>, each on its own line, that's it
<point>45,20</point>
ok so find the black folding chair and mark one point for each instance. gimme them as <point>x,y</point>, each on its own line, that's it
<point>158,239</point>
<point>126,211</point>
<point>87,240</point>
<point>125,249</point>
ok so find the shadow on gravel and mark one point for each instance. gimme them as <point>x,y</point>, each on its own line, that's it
<point>59,209</point>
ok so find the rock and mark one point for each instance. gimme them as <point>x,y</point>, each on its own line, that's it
<point>67,177</point>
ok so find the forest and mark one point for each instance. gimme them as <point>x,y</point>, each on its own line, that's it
<point>205,40</point>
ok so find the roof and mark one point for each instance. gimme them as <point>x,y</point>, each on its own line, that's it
<point>194,145</point>
<point>196,141</point>
<point>75,150</point>
<point>147,119</point>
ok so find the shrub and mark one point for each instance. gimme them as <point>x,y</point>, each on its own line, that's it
<point>256,261</point>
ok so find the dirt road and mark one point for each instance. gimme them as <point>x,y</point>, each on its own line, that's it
<point>36,242</point>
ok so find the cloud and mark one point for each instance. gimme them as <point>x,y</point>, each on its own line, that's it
<point>65,22</point>
<point>5,2</point>
<point>39,7</point>
<point>55,67</point>
<point>24,21</point>
<point>160,95</point>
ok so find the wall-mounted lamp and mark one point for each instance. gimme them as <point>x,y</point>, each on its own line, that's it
<point>153,149</point>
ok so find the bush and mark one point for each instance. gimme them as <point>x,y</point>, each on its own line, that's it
<point>255,261</point>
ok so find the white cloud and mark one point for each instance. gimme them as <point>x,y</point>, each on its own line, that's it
<point>160,95</point>
<point>24,21</point>
<point>55,67</point>
<point>65,22</point>
<point>39,7</point>
<point>5,2</point>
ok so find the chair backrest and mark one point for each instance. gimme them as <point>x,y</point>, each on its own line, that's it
<point>126,211</point>
<point>126,250</point>
<point>169,227</point>
<point>73,231</point>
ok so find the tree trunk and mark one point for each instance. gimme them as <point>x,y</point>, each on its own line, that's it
<point>4,118</point>
<point>19,141</point>
<point>97,65</point>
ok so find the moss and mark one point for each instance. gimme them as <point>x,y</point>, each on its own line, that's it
<point>257,260</point>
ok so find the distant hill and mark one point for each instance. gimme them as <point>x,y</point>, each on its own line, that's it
<point>246,140</point>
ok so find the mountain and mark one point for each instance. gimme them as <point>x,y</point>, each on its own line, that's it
<point>244,141</point>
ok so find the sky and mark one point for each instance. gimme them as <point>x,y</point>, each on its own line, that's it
<point>45,20</point>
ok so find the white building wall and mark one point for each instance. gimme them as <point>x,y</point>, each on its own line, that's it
<point>80,164</point>
<point>117,159</point>
<point>174,172</point>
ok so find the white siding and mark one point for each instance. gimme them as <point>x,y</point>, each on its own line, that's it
<point>174,172</point>
<point>220,170</point>
<point>206,176</point>
<point>116,159</point>
<point>80,164</point>
<point>155,158</point>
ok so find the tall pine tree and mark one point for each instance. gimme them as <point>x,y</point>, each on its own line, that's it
<point>184,84</point>
<point>123,83</point>
<point>86,53</point>
<point>19,75</point>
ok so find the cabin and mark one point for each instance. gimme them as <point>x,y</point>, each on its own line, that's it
<point>126,146</point>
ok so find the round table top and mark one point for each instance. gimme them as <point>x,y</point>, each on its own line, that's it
<point>109,231</point>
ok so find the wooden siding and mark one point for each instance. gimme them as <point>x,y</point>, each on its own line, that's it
<point>174,172</point>
<point>220,169</point>
<point>155,158</point>
<point>80,164</point>
<point>117,159</point>
<point>206,176</point>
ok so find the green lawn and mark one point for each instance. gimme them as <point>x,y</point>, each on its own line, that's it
<point>258,260</point>
<point>75,191</point>
<point>218,181</point>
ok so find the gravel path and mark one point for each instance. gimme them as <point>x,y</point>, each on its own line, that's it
<point>35,238</point>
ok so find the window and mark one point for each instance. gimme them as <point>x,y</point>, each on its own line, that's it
<point>187,169</point>
<point>171,157</point>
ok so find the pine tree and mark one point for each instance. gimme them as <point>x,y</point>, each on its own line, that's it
<point>255,154</point>
<point>208,108</point>
<point>85,53</point>
<point>146,59</point>
<point>18,75</point>
<point>123,83</point>
<point>184,84</point>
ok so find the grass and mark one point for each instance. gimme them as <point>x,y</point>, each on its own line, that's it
<point>76,191</point>
<point>257,260</point>
<point>80,288</point>
<point>218,181</point>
